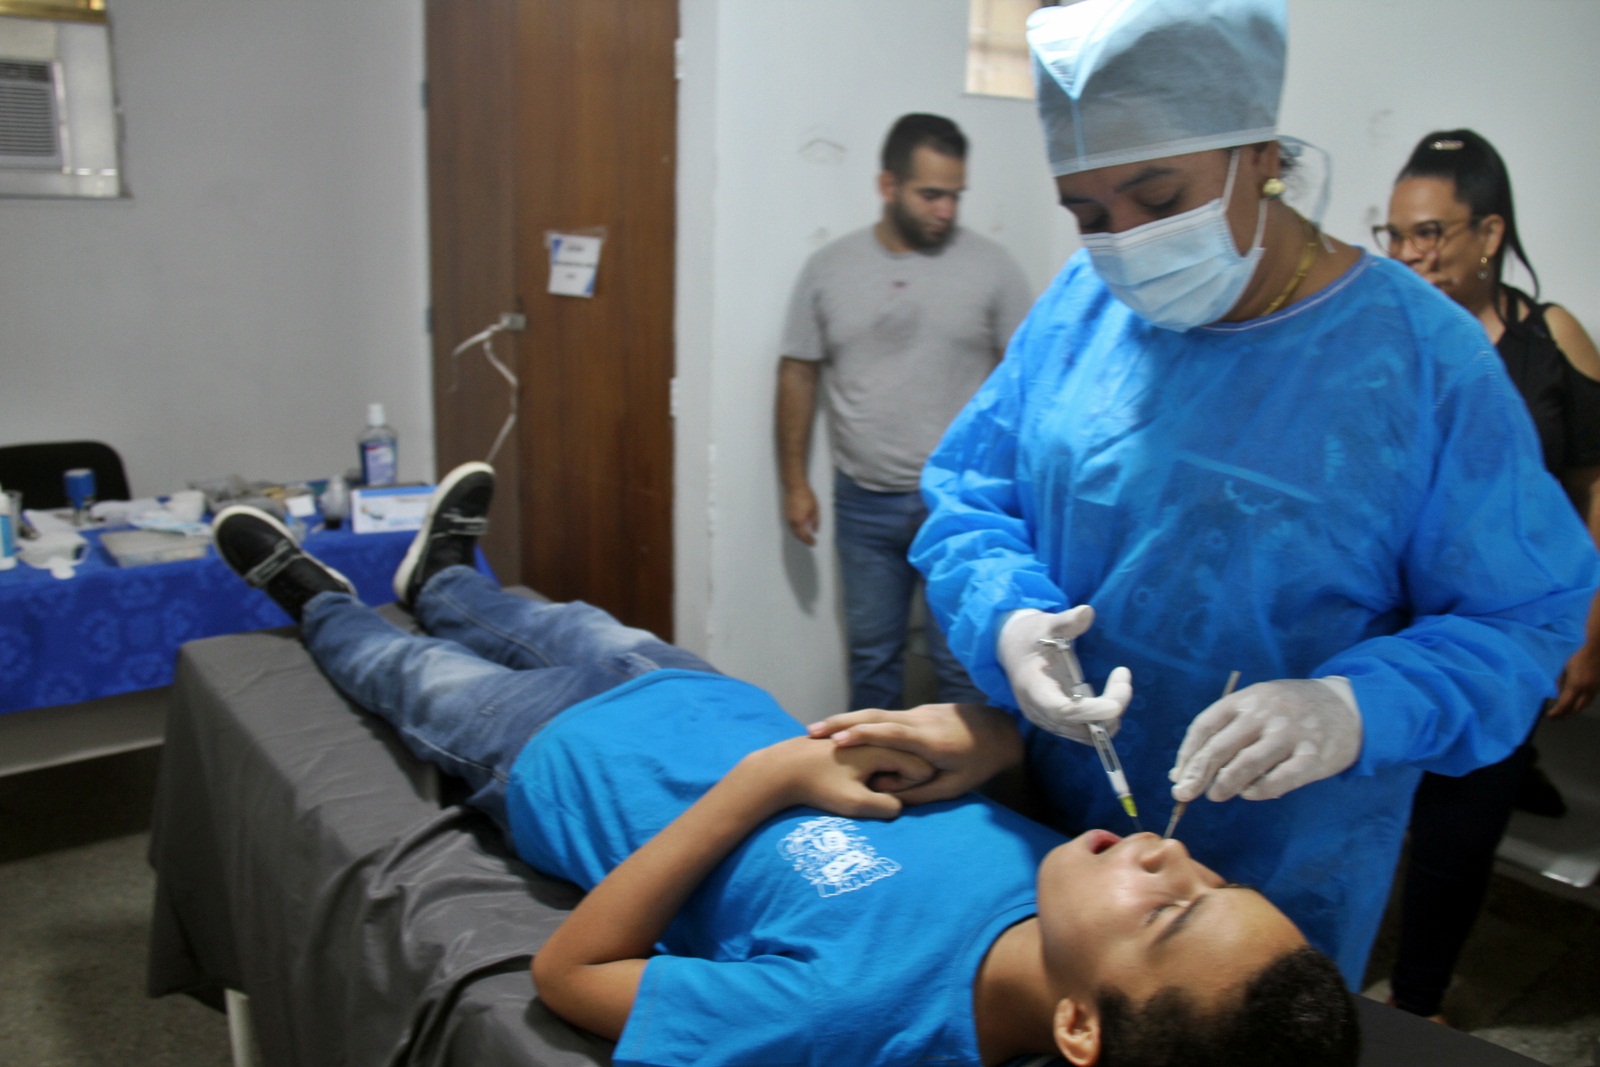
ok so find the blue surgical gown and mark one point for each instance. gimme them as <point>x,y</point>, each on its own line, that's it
<point>1348,487</point>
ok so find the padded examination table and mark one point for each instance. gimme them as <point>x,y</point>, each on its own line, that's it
<point>301,858</point>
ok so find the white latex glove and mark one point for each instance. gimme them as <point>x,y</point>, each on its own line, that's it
<point>1267,739</point>
<point>1039,679</point>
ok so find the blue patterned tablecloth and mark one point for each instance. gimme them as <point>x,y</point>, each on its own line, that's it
<point>112,629</point>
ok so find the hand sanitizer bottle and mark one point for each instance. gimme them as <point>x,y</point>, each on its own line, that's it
<point>379,449</point>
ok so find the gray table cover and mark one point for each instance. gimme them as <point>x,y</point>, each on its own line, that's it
<point>300,859</point>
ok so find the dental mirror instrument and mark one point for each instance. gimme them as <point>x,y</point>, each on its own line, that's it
<point>1183,805</point>
<point>1079,690</point>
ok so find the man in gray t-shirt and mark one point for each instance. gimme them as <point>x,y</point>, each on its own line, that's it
<point>901,322</point>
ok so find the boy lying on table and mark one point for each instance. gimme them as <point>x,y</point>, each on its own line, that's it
<point>757,896</point>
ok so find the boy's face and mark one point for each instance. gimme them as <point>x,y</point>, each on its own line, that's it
<point>1139,915</point>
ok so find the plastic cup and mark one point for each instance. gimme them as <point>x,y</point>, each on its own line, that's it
<point>189,505</point>
<point>79,482</point>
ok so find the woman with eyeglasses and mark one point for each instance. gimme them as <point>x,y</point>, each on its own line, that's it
<point>1451,220</point>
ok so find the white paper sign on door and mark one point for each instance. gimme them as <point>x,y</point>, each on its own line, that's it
<point>574,261</point>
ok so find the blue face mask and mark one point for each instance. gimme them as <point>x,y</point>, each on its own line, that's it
<point>1179,272</point>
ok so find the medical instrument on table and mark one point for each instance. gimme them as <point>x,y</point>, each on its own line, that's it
<point>1183,805</point>
<point>1079,689</point>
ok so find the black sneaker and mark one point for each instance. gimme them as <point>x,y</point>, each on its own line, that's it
<point>458,514</point>
<point>263,552</point>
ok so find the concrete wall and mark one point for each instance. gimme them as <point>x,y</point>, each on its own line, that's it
<point>267,277</point>
<point>782,109</point>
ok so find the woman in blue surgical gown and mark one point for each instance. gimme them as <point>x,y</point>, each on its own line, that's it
<point>1247,447</point>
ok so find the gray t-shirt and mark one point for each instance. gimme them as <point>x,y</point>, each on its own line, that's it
<point>905,339</point>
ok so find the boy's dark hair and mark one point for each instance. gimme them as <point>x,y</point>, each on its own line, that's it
<point>1295,1011</point>
<point>911,132</point>
<point>1467,160</point>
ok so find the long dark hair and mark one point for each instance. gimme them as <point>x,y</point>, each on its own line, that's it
<point>1469,161</point>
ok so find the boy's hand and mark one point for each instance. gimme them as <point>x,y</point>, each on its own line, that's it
<point>966,744</point>
<point>858,782</point>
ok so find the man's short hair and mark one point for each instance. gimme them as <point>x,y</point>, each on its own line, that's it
<point>911,132</point>
<point>1295,1011</point>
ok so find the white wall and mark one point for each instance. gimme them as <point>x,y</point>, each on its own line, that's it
<point>268,276</point>
<point>782,107</point>
<point>782,113</point>
<point>1368,78</point>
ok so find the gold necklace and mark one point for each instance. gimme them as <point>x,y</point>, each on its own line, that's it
<point>1306,257</point>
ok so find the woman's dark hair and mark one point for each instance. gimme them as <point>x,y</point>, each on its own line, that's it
<point>911,132</point>
<point>1295,1011</point>
<point>1481,180</point>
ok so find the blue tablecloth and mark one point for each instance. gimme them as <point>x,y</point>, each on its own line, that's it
<point>112,629</point>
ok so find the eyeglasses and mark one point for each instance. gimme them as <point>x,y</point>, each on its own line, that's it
<point>1425,237</point>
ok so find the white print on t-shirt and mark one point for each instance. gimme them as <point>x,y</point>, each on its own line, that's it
<point>832,855</point>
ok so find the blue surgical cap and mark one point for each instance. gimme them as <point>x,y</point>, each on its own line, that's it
<point>1126,80</point>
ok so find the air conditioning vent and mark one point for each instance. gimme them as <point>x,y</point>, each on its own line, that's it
<point>59,130</point>
<point>29,128</point>
<point>22,71</point>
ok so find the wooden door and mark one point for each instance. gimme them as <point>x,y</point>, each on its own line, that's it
<point>597,92</point>
<point>472,236</point>
<point>592,144</point>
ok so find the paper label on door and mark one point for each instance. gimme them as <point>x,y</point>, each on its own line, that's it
<point>574,261</point>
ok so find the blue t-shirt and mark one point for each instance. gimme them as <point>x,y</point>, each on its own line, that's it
<point>819,939</point>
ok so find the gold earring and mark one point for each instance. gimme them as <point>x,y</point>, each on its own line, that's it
<point>1483,268</point>
<point>1273,188</point>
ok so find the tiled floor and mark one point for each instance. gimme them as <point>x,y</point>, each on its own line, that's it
<point>75,894</point>
<point>1530,977</point>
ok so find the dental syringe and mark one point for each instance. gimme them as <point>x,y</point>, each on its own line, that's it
<point>1079,690</point>
<point>1113,767</point>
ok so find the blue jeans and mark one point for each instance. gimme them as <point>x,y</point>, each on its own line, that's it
<point>873,532</point>
<point>497,669</point>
